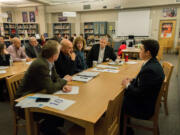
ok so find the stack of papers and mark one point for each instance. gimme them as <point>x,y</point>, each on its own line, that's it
<point>90,74</point>
<point>81,78</point>
<point>55,102</point>
<point>106,66</point>
<point>75,90</point>
<point>2,71</point>
<point>106,70</point>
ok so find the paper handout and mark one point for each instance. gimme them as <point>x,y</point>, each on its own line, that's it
<point>75,90</point>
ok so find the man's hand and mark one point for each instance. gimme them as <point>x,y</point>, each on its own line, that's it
<point>72,55</point>
<point>68,78</point>
<point>67,88</point>
<point>28,59</point>
<point>125,82</point>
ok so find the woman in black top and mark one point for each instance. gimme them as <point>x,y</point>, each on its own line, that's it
<point>4,55</point>
<point>79,45</point>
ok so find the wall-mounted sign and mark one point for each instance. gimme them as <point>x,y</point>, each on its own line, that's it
<point>69,14</point>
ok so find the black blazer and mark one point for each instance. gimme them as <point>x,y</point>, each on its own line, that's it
<point>94,54</point>
<point>4,60</point>
<point>64,65</point>
<point>30,51</point>
<point>140,96</point>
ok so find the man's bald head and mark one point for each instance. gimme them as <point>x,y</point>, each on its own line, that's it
<point>17,42</point>
<point>33,41</point>
<point>67,46</point>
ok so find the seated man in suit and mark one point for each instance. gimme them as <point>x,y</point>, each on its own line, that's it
<point>65,65</point>
<point>141,92</point>
<point>100,53</point>
<point>33,49</point>
<point>41,75</point>
<point>16,51</point>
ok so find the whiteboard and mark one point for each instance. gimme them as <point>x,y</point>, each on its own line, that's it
<point>134,22</point>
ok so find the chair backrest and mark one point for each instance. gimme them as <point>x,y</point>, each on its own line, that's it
<point>112,117</point>
<point>168,68</point>
<point>158,101</point>
<point>13,84</point>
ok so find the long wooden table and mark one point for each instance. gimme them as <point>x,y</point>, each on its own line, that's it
<point>92,100</point>
<point>18,67</point>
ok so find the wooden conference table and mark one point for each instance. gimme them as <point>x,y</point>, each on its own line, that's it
<point>18,67</point>
<point>92,100</point>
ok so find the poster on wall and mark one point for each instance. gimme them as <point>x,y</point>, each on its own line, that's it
<point>32,16</point>
<point>166,30</point>
<point>24,16</point>
<point>169,12</point>
<point>9,18</point>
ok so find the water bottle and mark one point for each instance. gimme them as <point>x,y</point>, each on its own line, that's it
<point>126,57</point>
<point>10,61</point>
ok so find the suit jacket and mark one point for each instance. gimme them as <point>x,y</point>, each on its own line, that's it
<point>64,65</point>
<point>4,60</point>
<point>94,54</point>
<point>38,78</point>
<point>30,50</point>
<point>141,95</point>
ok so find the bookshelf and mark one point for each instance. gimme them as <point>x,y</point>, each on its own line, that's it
<point>93,31</point>
<point>21,29</point>
<point>63,28</point>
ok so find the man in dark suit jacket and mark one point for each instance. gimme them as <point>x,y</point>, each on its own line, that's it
<point>41,75</point>
<point>100,53</point>
<point>33,49</point>
<point>65,65</point>
<point>141,92</point>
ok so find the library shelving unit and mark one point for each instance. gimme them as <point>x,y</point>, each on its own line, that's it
<point>63,28</point>
<point>20,29</point>
<point>93,31</point>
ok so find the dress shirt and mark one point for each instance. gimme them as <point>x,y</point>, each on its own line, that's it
<point>16,54</point>
<point>101,55</point>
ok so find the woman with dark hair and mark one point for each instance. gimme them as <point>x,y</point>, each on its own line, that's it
<point>79,45</point>
<point>4,55</point>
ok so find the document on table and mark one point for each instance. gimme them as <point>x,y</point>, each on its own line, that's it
<point>131,62</point>
<point>98,69</point>
<point>114,63</point>
<point>75,90</point>
<point>55,102</point>
<point>106,66</point>
<point>60,103</point>
<point>3,71</point>
<point>4,67</point>
<point>29,63</point>
<point>90,74</point>
<point>81,78</point>
<point>106,70</point>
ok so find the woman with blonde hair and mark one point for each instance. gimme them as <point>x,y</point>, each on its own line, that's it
<point>79,45</point>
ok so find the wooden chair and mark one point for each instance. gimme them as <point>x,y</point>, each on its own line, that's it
<point>168,68</point>
<point>12,84</point>
<point>107,125</point>
<point>153,119</point>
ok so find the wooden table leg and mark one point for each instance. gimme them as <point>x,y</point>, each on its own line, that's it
<point>29,122</point>
<point>89,129</point>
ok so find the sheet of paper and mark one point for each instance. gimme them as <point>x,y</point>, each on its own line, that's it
<point>60,103</point>
<point>98,69</point>
<point>3,71</point>
<point>81,78</point>
<point>91,74</point>
<point>111,70</point>
<point>114,63</point>
<point>75,90</point>
<point>29,63</point>
<point>4,67</point>
<point>131,62</point>
<point>106,66</point>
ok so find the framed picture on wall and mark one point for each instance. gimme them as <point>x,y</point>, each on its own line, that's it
<point>169,12</point>
<point>9,18</point>
<point>24,16</point>
<point>32,16</point>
